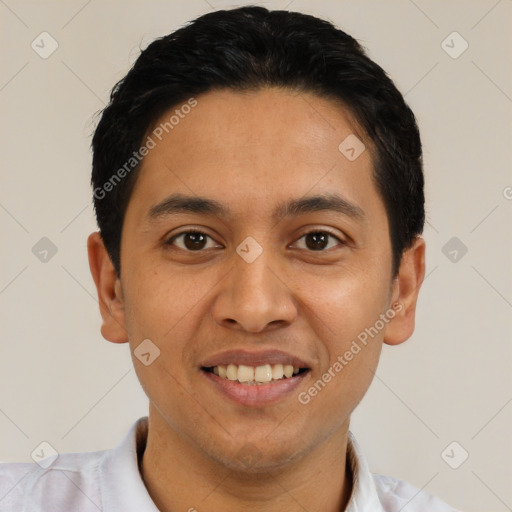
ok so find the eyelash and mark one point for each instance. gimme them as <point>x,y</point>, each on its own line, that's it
<point>170,242</point>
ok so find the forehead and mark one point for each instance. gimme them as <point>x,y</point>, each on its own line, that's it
<point>255,149</point>
<point>269,118</point>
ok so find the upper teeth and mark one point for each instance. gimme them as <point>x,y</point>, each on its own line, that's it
<point>258,374</point>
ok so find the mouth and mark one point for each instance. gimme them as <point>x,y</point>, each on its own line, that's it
<point>255,379</point>
<point>255,375</point>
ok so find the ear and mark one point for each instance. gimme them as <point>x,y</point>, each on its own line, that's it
<point>108,285</point>
<point>405,294</point>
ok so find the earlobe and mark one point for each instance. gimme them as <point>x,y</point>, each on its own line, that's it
<point>108,286</point>
<point>405,293</point>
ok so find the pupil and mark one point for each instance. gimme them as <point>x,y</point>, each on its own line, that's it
<point>197,240</point>
<point>319,241</point>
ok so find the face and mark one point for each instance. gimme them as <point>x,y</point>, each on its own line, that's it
<point>268,276</point>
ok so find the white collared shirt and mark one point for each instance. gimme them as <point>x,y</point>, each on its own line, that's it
<point>110,481</point>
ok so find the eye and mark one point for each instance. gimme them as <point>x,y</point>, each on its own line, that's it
<point>196,241</point>
<point>318,240</point>
<point>192,240</point>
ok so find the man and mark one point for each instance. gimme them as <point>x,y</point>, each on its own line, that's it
<point>258,187</point>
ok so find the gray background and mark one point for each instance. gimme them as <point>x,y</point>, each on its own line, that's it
<point>61,382</point>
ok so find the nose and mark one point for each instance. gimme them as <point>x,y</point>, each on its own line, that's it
<point>255,296</point>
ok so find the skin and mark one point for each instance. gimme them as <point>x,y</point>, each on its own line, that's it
<point>251,151</point>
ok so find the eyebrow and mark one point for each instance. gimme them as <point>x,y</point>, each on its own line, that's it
<point>180,203</point>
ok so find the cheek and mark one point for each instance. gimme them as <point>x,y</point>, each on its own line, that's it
<point>168,306</point>
<point>346,304</point>
<point>345,315</point>
<point>162,308</point>
<point>160,299</point>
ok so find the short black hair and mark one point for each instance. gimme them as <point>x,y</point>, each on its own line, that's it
<point>250,48</point>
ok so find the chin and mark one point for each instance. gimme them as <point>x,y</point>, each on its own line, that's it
<point>256,457</point>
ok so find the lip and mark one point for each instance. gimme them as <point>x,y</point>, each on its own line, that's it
<point>254,395</point>
<point>249,358</point>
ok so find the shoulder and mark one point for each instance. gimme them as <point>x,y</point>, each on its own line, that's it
<point>11,476</point>
<point>68,483</point>
<point>395,494</point>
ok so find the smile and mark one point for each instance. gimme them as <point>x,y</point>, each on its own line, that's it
<point>255,375</point>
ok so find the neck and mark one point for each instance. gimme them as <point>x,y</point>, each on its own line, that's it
<point>179,476</point>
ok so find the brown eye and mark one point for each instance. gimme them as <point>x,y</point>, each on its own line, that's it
<point>193,241</point>
<point>319,240</point>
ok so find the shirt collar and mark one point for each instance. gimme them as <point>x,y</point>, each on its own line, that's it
<point>123,489</point>
<point>364,496</point>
